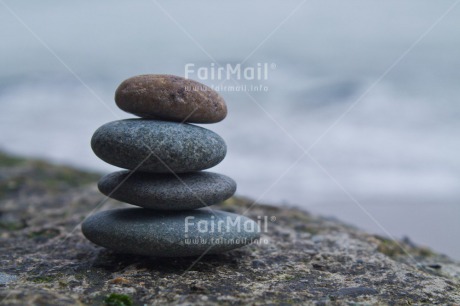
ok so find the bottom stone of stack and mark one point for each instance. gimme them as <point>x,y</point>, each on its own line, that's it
<point>170,234</point>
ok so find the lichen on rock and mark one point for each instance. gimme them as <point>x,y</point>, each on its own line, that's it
<point>301,259</point>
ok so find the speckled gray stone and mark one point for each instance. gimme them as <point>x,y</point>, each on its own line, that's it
<point>168,191</point>
<point>158,146</point>
<point>170,97</point>
<point>166,234</point>
<point>6,278</point>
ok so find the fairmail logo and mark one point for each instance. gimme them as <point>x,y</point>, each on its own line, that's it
<point>228,224</point>
<point>227,72</point>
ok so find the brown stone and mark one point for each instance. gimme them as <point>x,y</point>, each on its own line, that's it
<point>169,97</point>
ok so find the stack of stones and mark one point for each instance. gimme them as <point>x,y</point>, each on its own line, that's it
<point>165,156</point>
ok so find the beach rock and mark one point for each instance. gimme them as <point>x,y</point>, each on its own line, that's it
<point>170,97</point>
<point>168,191</point>
<point>169,234</point>
<point>56,265</point>
<point>6,278</point>
<point>356,291</point>
<point>158,146</point>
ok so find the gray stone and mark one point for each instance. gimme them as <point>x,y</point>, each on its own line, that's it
<point>168,191</point>
<point>73,271</point>
<point>170,97</point>
<point>158,146</point>
<point>169,234</point>
<point>356,291</point>
<point>6,278</point>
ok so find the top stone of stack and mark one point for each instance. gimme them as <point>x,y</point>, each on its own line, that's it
<point>170,98</point>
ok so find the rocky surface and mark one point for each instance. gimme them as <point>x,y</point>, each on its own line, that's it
<point>168,191</point>
<point>158,146</point>
<point>169,234</point>
<point>301,259</point>
<point>172,98</point>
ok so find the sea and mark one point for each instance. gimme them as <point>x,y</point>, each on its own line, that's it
<point>346,109</point>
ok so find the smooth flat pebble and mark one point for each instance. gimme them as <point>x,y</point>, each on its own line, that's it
<point>169,97</point>
<point>158,146</point>
<point>168,191</point>
<point>169,234</point>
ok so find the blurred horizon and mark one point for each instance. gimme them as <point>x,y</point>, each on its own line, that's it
<point>389,166</point>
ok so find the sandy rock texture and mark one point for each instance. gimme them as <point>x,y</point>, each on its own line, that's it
<point>301,259</point>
